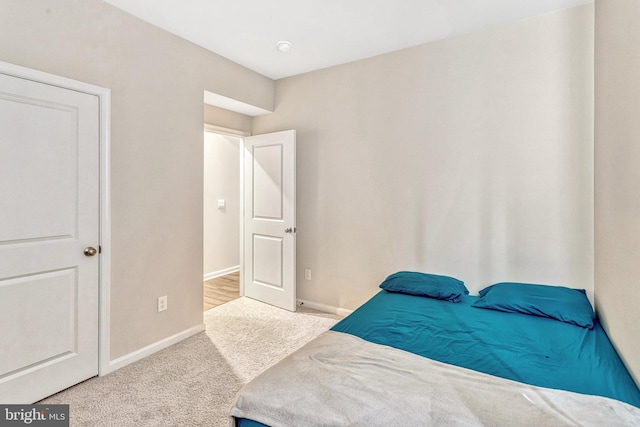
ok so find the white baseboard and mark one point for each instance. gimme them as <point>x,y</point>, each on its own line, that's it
<point>341,312</point>
<point>153,348</point>
<point>219,273</point>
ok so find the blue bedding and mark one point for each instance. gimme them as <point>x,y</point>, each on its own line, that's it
<point>529,349</point>
<point>534,350</point>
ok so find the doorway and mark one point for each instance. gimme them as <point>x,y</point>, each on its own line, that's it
<point>264,228</point>
<point>221,217</point>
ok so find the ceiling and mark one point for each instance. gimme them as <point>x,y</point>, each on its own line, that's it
<point>324,32</point>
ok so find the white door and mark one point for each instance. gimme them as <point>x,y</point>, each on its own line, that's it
<point>49,217</point>
<point>270,218</point>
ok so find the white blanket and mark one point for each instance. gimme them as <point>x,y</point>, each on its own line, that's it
<point>341,380</point>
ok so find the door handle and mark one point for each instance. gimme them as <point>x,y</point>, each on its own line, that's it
<point>90,251</point>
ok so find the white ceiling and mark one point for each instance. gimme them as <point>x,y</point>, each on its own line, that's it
<point>324,32</point>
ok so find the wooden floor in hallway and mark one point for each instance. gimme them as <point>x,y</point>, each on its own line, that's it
<point>221,289</point>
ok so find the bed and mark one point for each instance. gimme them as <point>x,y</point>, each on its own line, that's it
<point>424,352</point>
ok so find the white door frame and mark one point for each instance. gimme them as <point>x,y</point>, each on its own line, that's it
<point>104,279</point>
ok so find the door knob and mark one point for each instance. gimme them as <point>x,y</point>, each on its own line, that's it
<point>90,251</point>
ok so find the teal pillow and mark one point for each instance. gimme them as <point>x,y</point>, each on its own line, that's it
<point>557,302</point>
<point>426,285</point>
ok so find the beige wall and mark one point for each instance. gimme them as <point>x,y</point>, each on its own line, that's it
<point>470,156</point>
<point>617,176</point>
<point>221,181</point>
<point>157,82</point>
<point>227,119</point>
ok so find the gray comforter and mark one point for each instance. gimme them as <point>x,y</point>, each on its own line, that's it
<point>341,380</point>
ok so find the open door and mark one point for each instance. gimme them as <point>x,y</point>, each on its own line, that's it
<point>269,220</point>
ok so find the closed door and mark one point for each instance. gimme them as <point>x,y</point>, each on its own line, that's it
<point>270,218</point>
<point>49,236</point>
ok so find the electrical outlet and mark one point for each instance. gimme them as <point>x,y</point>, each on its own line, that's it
<point>162,303</point>
<point>307,274</point>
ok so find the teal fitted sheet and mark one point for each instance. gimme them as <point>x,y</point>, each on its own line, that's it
<point>529,349</point>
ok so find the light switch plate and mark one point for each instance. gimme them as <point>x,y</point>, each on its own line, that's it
<point>162,303</point>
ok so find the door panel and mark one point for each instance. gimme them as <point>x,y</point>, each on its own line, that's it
<point>39,334</point>
<point>43,192</point>
<point>267,182</point>
<point>267,260</point>
<point>269,219</point>
<point>49,182</point>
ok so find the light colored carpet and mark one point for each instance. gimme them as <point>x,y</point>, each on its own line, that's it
<point>193,383</point>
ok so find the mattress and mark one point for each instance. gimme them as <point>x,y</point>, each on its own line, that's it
<point>530,349</point>
<point>519,348</point>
